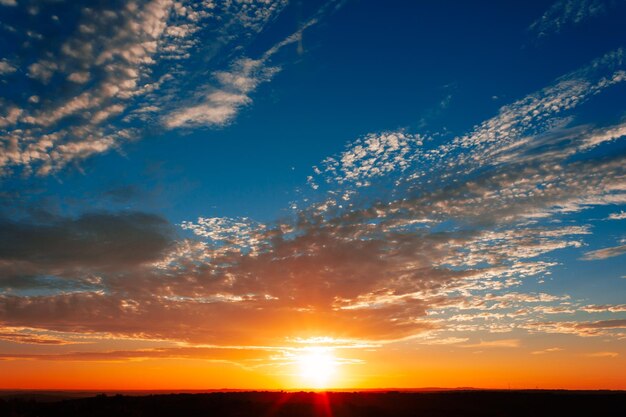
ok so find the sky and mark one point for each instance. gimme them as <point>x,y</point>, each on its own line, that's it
<point>239,193</point>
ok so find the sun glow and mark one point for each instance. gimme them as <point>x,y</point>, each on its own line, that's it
<point>318,367</point>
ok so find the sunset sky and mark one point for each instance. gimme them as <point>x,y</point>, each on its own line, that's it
<point>264,194</point>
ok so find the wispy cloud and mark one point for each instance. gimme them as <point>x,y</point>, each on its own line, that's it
<point>604,253</point>
<point>232,88</point>
<point>602,355</point>
<point>548,350</point>
<point>23,336</point>
<point>613,308</point>
<point>222,103</point>
<point>567,13</point>
<point>501,343</point>
<point>580,328</point>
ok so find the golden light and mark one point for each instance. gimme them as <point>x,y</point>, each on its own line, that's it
<point>318,367</point>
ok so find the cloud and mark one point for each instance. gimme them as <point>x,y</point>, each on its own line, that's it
<point>100,241</point>
<point>604,253</point>
<point>242,234</point>
<point>617,216</point>
<point>8,2</point>
<point>375,155</point>
<point>222,103</point>
<point>603,324</point>
<point>612,308</point>
<point>120,59</point>
<point>6,67</point>
<point>548,350</point>
<point>79,77</point>
<point>567,13</point>
<point>602,355</point>
<point>217,354</point>
<point>29,338</point>
<point>502,343</point>
<point>231,90</point>
<point>42,71</point>
<point>117,44</point>
<point>444,341</point>
<point>582,328</point>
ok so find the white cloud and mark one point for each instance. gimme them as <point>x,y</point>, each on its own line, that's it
<point>231,90</point>
<point>229,233</point>
<point>601,136</point>
<point>223,102</point>
<point>375,155</point>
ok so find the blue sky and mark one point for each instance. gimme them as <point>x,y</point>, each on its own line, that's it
<point>469,151</point>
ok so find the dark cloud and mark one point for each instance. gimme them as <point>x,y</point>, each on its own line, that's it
<point>92,241</point>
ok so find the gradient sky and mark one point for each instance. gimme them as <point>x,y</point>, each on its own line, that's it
<point>196,194</point>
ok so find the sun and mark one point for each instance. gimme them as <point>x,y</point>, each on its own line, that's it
<point>317,367</point>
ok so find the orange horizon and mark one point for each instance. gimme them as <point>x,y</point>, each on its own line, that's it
<point>198,375</point>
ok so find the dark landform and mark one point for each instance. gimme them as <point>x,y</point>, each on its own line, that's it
<point>428,403</point>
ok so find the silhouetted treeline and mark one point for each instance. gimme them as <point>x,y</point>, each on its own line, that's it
<point>336,404</point>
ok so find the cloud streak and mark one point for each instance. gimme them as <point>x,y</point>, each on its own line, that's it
<point>567,13</point>
<point>232,88</point>
<point>604,253</point>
